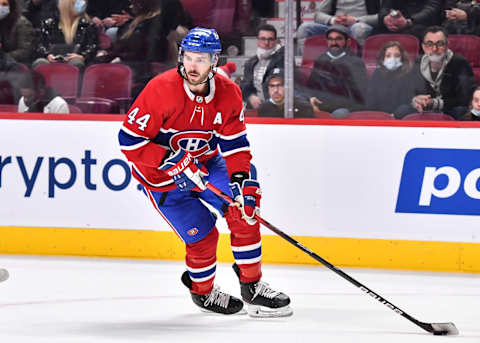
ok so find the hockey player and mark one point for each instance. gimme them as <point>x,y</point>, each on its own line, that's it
<point>187,128</point>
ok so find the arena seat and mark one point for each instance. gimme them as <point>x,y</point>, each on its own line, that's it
<point>74,109</point>
<point>97,105</point>
<point>111,81</point>
<point>323,115</point>
<point>8,108</point>
<point>469,47</point>
<point>317,45</point>
<point>302,74</point>
<point>428,116</point>
<point>370,115</point>
<point>62,77</point>
<point>373,44</point>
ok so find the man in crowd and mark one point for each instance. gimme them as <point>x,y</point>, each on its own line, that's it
<point>444,80</point>
<point>339,78</point>
<point>270,55</point>
<point>274,106</point>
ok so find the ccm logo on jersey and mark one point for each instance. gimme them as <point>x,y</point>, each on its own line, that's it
<point>440,181</point>
<point>192,232</point>
<point>195,142</point>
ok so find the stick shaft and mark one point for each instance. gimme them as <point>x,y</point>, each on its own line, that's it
<point>374,295</point>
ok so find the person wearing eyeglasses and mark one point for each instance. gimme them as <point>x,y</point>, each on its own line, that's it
<point>274,106</point>
<point>338,81</point>
<point>445,81</point>
<point>270,55</point>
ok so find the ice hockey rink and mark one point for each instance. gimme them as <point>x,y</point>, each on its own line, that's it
<point>90,300</point>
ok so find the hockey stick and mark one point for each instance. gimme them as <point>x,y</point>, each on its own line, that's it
<point>435,328</point>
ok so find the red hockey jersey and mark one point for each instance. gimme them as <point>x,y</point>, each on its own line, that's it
<point>167,116</point>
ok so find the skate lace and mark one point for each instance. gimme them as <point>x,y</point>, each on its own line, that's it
<point>264,290</point>
<point>217,298</point>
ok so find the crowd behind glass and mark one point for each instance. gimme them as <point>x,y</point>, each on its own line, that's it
<point>368,59</point>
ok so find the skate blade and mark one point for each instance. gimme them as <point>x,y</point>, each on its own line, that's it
<point>256,311</point>
<point>239,313</point>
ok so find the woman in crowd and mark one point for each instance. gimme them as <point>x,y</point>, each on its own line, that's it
<point>68,36</point>
<point>16,32</point>
<point>391,83</point>
<point>473,113</point>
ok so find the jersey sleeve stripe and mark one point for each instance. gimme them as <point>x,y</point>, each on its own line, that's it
<point>131,142</point>
<point>232,137</point>
<point>226,146</point>
<point>231,152</point>
<point>131,133</point>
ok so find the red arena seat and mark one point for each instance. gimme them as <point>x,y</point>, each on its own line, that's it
<point>74,109</point>
<point>111,81</point>
<point>428,116</point>
<point>370,115</point>
<point>62,77</point>
<point>8,108</point>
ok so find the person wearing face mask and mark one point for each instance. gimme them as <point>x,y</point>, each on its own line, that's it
<point>274,106</point>
<point>270,55</point>
<point>390,84</point>
<point>16,32</point>
<point>444,81</point>
<point>473,113</point>
<point>338,80</point>
<point>37,97</point>
<point>67,36</point>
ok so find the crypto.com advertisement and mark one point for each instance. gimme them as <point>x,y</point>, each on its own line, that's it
<point>387,182</point>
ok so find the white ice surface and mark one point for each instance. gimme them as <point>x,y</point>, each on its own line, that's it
<point>88,300</point>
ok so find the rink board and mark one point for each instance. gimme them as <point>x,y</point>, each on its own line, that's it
<point>368,194</point>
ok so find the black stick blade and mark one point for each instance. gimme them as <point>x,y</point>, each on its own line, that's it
<point>443,329</point>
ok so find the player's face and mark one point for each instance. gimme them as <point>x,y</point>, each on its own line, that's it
<point>276,89</point>
<point>197,66</point>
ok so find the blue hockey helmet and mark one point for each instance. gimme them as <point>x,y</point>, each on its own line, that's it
<point>201,39</point>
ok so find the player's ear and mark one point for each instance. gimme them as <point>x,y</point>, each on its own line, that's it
<point>214,60</point>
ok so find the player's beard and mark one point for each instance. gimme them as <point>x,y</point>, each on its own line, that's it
<point>195,78</point>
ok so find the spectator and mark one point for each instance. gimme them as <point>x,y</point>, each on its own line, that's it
<point>409,16</point>
<point>339,78</point>
<point>37,97</point>
<point>145,38</point>
<point>274,106</point>
<point>270,55</point>
<point>102,12</point>
<point>360,16</point>
<point>462,17</point>
<point>68,36</point>
<point>16,32</point>
<point>445,80</point>
<point>38,10</point>
<point>473,113</point>
<point>9,75</point>
<point>391,83</point>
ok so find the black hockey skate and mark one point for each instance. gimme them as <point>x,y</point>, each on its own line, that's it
<point>216,301</point>
<point>262,300</point>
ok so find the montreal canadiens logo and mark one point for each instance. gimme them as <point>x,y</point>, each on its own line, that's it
<point>195,142</point>
<point>192,232</point>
